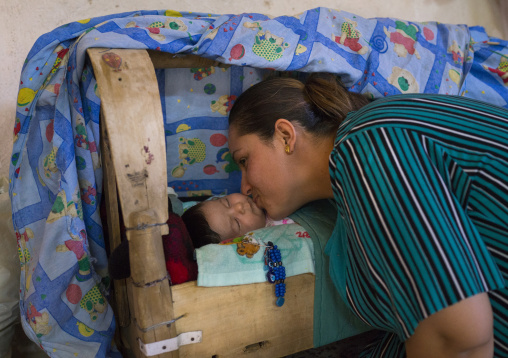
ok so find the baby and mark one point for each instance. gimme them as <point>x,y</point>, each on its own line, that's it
<point>227,217</point>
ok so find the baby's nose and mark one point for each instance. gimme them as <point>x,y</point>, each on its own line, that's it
<point>240,207</point>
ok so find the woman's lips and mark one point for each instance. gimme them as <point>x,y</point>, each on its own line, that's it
<point>256,201</point>
<point>251,203</point>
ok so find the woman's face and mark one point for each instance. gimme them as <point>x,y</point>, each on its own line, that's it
<point>233,215</point>
<point>266,173</point>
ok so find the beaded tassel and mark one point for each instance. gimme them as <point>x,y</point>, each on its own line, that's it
<point>276,271</point>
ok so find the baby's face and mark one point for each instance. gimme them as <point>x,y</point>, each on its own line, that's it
<point>233,215</point>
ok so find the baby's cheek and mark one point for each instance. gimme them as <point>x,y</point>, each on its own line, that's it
<point>261,220</point>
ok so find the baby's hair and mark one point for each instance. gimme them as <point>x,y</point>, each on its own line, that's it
<point>199,230</point>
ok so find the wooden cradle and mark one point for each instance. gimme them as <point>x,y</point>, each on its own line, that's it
<point>223,321</point>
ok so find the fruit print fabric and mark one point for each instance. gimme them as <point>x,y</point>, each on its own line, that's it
<point>55,169</point>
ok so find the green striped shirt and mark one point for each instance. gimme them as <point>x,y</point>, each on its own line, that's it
<point>421,185</point>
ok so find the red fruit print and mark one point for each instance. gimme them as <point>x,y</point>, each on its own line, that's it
<point>73,294</point>
<point>210,169</point>
<point>429,35</point>
<point>218,139</point>
<point>50,130</point>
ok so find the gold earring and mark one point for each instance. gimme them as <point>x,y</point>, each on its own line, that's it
<point>287,149</point>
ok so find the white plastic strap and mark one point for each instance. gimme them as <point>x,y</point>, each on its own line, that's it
<point>172,344</point>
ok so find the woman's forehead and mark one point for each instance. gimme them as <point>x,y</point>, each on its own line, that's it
<point>233,133</point>
<point>235,140</point>
<point>244,141</point>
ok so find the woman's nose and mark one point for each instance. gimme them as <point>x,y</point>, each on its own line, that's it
<point>246,188</point>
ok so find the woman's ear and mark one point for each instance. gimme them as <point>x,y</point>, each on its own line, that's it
<point>285,133</point>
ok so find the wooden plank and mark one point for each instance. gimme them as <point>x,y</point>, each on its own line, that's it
<point>121,304</point>
<point>244,321</point>
<point>132,114</point>
<point>131,106</point>
<point>169,60</point>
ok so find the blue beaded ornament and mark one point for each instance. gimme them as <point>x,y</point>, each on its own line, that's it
<point>276,271</point>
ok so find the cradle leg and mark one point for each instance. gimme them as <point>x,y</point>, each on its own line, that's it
<point>151,303</point>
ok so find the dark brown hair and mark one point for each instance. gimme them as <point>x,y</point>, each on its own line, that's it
<point>318,106</point>
<point>198,227</point>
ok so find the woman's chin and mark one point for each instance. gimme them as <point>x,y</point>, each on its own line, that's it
<point>276,216</point>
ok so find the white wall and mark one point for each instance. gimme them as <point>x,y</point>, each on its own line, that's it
<point>22,22</point>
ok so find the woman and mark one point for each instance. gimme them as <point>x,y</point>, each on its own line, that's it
<point>420,247</point>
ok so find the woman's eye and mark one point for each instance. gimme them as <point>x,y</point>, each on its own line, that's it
<point>242,162</point>
<point>227,202</point>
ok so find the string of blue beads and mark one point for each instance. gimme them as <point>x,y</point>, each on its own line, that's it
<point>276,271</point>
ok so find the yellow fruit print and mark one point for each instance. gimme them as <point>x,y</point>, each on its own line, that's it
<point>50,163</point>
<point>269,46</point>
<point>191,150</point>
<point>84,330</point>
<point>173,13</point>
<point>94,303</point>
<point>182,128</point>
<point>25,96</point>
<point>454,76</point>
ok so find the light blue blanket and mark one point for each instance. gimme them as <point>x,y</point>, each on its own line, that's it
<point>55,169</point>
<point>242,261</point>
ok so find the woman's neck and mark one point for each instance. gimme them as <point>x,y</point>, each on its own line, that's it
<point>314,158</point>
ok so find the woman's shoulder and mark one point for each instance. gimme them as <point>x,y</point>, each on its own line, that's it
<point>412,112</point>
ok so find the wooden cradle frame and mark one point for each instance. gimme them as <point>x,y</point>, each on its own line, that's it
<point>227,321</point>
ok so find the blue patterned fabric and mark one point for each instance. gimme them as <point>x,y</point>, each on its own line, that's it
<point>55,169</point>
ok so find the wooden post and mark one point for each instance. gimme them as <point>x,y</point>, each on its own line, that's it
<point>151,303</point>
<point>119,294</point>
<point>131,108</point>
<point>132,117</point>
